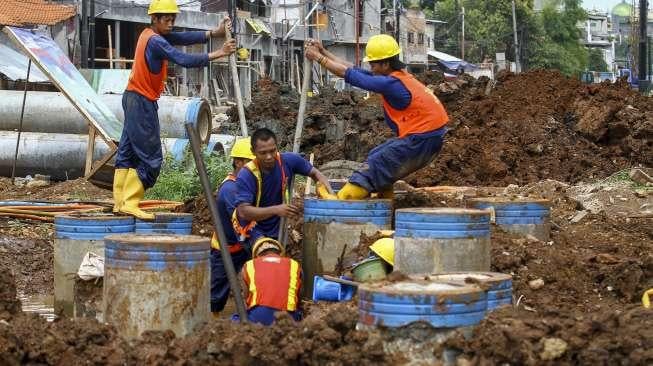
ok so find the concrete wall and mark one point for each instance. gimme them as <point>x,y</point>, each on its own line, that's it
<point>413,21</point>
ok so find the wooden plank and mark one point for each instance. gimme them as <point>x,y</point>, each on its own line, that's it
<point>100,163</point>
<point>216,91</point>
<point>90,148</point>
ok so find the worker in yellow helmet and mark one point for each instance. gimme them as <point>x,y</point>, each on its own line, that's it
<point>411,109</point>
<point>241,154</point>
<point>139,157</point>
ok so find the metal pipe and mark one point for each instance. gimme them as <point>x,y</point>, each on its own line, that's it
<point>52,112</point>
<point>20,126</point>
<point>643,68</point>
<point>217,224</point>
<point>63,156</point>
<point>292,29</point>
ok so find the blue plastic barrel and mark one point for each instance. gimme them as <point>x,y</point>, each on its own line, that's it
<point>166,223</point>
<point>331,226</point>
<point>442,305</point>
<point>497,285</point>
<point>325,290</point>
<point>523,216</point>
<point>156,282</point>
<point>75,236</point>
<point>433,240</point>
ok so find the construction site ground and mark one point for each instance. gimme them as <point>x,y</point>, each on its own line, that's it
<point>577,297</point>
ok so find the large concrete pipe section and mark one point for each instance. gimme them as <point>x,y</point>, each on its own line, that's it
<point>52,112</point>
<point>331,227</point>
<point>156,282</point>
<point>434,240</point>
<point>75,236</point>
<point>63,156</point>
<point>522,216</point>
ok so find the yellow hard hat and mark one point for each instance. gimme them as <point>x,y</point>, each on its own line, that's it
<point>242,149</point>
<point>385,248</point>
<point>380,47</point>
<point>163,7</point>
<point>265,243</point>
<point>243,53</point>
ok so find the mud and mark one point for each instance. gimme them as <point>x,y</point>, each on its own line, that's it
<point>31,263</point>
<point>71,190</point>
<point>604,337</point>
<point>9,303</point>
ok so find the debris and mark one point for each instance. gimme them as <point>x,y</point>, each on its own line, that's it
<point>579,216</point>
<point>536,284</point>
<point>640,177</point>
<point>553,348</point>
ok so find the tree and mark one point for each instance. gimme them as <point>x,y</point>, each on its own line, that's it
<point>596,61</point>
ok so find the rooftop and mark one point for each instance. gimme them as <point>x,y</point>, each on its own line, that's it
<point>20,13</point>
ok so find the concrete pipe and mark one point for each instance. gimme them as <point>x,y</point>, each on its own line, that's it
<point>51,112</point>
<point>63,156</point>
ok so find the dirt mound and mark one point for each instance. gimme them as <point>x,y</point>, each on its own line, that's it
<point>9,304</point>
<point>31,262</point>
<point>77,189</point>
<point>604,337</point>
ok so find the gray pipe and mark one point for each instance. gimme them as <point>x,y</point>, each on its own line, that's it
<point>51,112</point>
<point>63,156</point>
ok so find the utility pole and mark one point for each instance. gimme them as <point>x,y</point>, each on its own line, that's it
<point>357,31</point>
<point>643,38</point>
<point>397,17</point>
<point>91,25</point>
<point>83,37</point>
<point>462,39</point>
<point>514,28</point>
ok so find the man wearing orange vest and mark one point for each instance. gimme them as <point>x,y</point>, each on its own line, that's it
<point>411,110</point>
<point>139,157</point>
<point>241,154</point>
<point>272,283</point>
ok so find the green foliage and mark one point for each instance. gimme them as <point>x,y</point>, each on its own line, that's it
<point>596,62</point>
<point>179,181</point>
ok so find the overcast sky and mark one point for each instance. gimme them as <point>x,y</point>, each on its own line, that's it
<point>605,5</point>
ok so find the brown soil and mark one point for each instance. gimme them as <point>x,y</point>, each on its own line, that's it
<point>528,127</point>
<point>603,337</point>
<point>31,263</point>
<point>71,190</point>
<point>9,303</point>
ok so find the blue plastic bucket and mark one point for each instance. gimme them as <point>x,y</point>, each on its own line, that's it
<point>325,290</point>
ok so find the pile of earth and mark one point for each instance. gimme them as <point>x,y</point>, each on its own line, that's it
<point>31,263</point>
<point>518,129</point>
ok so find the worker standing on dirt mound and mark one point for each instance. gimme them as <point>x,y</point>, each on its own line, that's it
<point>241,154</point>
<point>139,152</point>
<point>411,109</point>
<point>272,283</point>
<point>264,188</point>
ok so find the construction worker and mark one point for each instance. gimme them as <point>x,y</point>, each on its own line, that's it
<point>139,157</point>
<point>411,109</point>
<point>241,154</point>
<point>272,283</point>
<point>264,188</point>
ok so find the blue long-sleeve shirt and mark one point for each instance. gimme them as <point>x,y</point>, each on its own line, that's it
<point>160,47</point>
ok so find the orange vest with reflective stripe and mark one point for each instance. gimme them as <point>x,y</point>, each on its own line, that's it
<point>272,281</point>
<point>425,113</point>
<point>215,243</point>
<point>141,79</point>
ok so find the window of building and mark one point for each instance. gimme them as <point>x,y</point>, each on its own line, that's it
<point>420,38</point>
<point>411,37</point>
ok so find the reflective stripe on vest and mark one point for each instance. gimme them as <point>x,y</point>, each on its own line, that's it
<point>273,281</point>
<point>141,79</point>
<point>253,167</point>
<point>425,113</point>
<point>215,242</point>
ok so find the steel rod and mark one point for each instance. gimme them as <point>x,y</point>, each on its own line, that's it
<point>20,124</point>
<point>217,223</point>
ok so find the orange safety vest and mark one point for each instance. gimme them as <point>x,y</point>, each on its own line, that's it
<point>215,243</point>
<point>253,167</point>
<point>141,79</point>
<point>272,281</point>
<point>425,113</point>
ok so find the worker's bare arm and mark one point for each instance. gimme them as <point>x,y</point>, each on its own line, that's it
<point>227,49</point>
<point>253,213</point>
<point>336,67</point>
<point>317,176</point>
<point>328,54</point>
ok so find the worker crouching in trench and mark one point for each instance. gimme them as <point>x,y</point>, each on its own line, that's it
<point>411,110</point>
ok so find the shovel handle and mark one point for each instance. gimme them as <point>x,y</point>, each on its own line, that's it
<point>340,280</point>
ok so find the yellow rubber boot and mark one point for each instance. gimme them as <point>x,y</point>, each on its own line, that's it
<point>388,193</point>
<point>118,184</point>
<point>352,192</point>
<point>323,193</point>
<point>133,193</point>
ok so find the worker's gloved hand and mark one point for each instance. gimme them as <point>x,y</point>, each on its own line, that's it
<point>284,210</point>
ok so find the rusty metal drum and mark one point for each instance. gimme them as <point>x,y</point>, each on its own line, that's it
<point>497,285</point>
<point>523,216</point>
<point>433,240</point>
<point>75,236</point>
<point>334,226</point>
<point>156,282</point>
<point>166,223</point>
